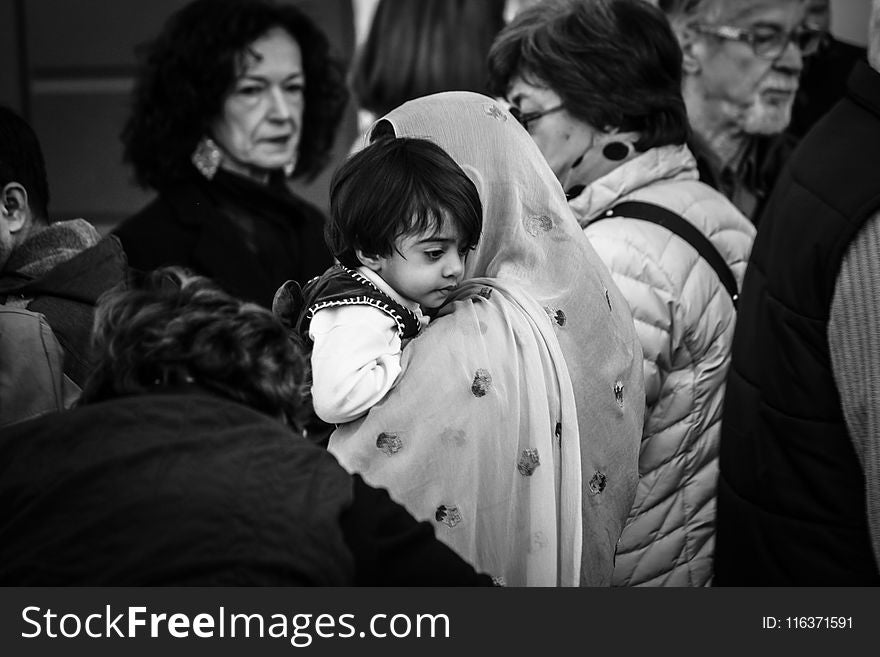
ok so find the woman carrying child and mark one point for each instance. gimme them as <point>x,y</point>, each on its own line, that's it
<point>515,422</point>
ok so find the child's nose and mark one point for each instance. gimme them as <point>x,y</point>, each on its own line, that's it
<point>454,266</point>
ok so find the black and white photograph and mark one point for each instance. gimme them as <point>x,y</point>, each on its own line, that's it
<point>474,317</point>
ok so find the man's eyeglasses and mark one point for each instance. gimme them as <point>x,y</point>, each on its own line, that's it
<point>527,117</point>
<point>768,42</point>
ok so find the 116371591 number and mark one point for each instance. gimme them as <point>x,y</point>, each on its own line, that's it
<point>807,622</point>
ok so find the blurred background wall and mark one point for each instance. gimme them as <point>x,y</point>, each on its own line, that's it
<point>68,65</point>
<point>849,20</point>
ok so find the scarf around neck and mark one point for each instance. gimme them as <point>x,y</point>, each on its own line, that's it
<point>46,249</point>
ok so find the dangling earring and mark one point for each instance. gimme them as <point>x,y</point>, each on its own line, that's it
<point>615,151</point>
<point>289,167</point>
<point>207,157</point>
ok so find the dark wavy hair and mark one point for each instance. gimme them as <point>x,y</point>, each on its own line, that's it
<point>420,47</point>
<point>189,69</point>
<point>393,187</point>
<point>614,63</point>
<point>21,160</point>
<point>169,327</point>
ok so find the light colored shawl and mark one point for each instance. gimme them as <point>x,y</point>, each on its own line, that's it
<point>515,424</point>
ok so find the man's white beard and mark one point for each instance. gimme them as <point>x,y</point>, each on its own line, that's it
<point>764,118</point>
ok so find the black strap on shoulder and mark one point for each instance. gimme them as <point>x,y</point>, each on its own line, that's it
<point>685,230</point>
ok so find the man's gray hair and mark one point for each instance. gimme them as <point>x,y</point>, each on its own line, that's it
<point>686,10</point>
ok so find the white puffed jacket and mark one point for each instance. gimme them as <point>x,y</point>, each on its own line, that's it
<point>685,320</point>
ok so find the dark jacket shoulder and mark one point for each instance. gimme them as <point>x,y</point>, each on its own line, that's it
<point>166,230</point>
<point>67,297</point>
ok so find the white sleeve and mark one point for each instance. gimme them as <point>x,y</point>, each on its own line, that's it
<point>355,360</point>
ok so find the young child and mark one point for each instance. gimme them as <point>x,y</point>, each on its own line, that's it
<point>403,217</point>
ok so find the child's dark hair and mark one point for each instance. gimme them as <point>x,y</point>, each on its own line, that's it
<point>397,186</point>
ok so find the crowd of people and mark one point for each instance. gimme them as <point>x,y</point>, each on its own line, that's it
<point>593,305</point>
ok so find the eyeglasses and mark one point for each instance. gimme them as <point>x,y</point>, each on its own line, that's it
<point>528,117</point>
<point>766,41</point>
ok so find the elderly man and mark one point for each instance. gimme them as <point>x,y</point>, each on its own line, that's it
<point>742,61</point>
<point>799,485</point>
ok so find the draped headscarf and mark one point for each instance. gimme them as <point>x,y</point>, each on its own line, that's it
<point>515,424</point>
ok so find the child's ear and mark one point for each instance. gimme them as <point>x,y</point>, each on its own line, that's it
<point>370,261</point>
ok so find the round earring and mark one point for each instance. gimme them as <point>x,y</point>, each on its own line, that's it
<point>615,151</point>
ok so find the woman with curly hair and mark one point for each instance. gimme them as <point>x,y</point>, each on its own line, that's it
<point>234,98</point>
<point>182,464</point>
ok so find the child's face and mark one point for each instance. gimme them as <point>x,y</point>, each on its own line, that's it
<point>425,267</point>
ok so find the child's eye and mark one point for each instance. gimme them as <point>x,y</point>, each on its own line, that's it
<point>434,254</point>
<point>294,88</point>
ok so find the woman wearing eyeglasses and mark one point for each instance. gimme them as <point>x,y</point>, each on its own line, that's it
<point>598,86</point>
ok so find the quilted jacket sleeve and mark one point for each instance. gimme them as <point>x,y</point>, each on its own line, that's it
<point>646,287</point>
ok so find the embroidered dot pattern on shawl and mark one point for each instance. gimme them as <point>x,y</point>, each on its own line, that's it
<point>482,383</point>
<point>448,515</point>
<point>618,393</point>
<point>389,443</point>
<point>537,224</point>
<point>492,110</point>
<point>598,482</point>
<point>483,390</point>
<point>528,462</point>
<point>556,315</point>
